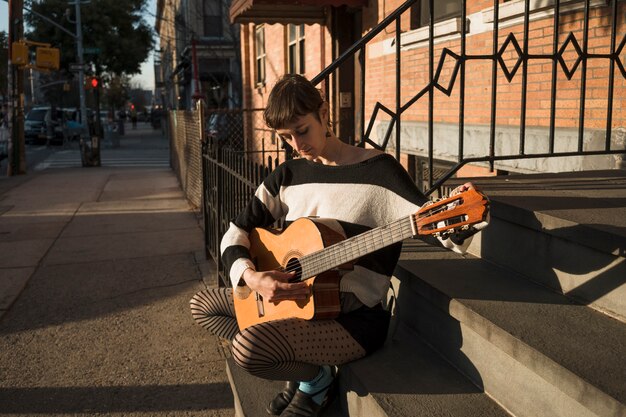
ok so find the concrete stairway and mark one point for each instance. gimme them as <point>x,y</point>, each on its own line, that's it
<point>531,323</point>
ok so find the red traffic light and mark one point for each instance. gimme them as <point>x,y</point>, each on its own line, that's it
<point>94,82</point>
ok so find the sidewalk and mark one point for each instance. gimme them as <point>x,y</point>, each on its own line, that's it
<point>96,269</point>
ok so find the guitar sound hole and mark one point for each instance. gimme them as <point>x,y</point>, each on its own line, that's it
<point>293,265</point>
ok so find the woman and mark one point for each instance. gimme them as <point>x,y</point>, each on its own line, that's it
<point>360,188</point>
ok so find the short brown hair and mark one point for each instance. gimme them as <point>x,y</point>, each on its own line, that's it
<point>292,96</point>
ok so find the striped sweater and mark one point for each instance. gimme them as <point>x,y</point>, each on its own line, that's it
<point>360,197</point>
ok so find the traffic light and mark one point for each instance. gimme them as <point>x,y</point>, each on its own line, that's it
<point>19,53</point>
<point>92,83</point>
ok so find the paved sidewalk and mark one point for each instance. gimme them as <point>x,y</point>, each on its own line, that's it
<point>96,269</point>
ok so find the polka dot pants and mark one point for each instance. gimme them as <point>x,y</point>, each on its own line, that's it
<point>290,349</point>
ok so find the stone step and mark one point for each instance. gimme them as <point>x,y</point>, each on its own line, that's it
<point>535,351</point>
<point>565,231</point>
<point>406,378</point>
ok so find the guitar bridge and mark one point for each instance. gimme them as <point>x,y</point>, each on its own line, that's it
<point>259,305</point>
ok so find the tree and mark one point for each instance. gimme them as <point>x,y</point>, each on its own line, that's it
<point>116,94</point>
<point>116,42</point>
<point>115,28</point>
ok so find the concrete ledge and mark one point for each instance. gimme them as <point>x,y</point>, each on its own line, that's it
<point>404,379</point>
<point>587,208</point>
<point>594,278</point>
<point>570,347</point>
<point>407,378</point>
<point>573,229</point>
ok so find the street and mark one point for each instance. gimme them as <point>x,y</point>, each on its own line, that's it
<point>143,146</point>
<point>35,154</point>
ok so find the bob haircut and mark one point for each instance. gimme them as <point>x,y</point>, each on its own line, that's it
<point>292,96</point>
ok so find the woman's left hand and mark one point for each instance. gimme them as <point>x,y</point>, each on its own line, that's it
<point>462,188</point>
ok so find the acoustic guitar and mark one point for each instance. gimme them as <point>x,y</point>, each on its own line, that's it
<point>318,253</point>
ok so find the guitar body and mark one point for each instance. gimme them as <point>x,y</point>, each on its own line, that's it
<point>272,250</point>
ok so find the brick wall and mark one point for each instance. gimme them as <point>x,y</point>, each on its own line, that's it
<point>479,74</point>
<point>380,73</point>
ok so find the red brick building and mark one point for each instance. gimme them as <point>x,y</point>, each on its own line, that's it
<point>572,82</point>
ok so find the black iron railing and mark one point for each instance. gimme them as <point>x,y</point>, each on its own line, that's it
<point>498,69</point>
<point>230,180</point>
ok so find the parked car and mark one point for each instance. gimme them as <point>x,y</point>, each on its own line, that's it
<point>225,128</point>
<point>43,123</point>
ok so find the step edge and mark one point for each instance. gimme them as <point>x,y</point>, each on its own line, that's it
<point>405,335</point>
<point>519,215</point>
<point>506,342</point>
<point>239,412</point>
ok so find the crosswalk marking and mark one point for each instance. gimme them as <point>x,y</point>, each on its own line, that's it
<point>71,159</point>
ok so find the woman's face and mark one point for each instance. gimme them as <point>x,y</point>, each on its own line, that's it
<point>306,134</point>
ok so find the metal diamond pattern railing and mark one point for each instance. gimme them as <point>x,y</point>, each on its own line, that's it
<point>517,64</point>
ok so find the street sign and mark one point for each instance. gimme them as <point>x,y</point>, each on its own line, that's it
<point>47,58</point>
<point>90,50</point>
<point>76,67</point>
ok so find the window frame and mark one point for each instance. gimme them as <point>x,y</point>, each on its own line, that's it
<point>209,10</point>
<point>298,44</point>
<point>418,21</point>
<point>260,55</point>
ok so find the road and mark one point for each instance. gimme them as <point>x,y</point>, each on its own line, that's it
<point>140,147</point>
<point>35,154</point>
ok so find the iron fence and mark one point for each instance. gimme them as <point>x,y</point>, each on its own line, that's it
<point>230,180</point>
<point>185,131</point>
<point>243,131</point>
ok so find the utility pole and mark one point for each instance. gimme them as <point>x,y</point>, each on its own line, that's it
<point>17,154</point>
<point>90,156</point>
<point>81,71</point>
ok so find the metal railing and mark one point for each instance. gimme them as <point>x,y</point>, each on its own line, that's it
<point>184,129</point>
<point>243,131</point>
<point>230,180</point>
<point>497,57</point>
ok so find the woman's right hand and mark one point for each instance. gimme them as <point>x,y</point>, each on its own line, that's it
<point>274,286</point>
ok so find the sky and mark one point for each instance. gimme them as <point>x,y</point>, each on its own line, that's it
<point>146,78</point>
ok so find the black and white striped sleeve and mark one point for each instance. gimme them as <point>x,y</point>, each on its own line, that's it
<point>262,210</point>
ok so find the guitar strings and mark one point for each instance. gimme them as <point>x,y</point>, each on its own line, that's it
<point>321,260</point>
<point>390,229</point>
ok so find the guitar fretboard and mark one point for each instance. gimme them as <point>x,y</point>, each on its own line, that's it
<point>355,247</point>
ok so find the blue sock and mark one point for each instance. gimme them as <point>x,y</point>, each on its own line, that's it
<point>318,386</point>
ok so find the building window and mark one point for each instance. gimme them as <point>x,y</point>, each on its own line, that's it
<point>444,10</point>
<point>295,45</point>
<point>212,19</point>
<point>259,47</point>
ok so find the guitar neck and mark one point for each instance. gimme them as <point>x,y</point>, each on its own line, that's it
<point>355,247</point>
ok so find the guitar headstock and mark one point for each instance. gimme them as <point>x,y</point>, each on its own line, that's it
<point>452,214</point>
